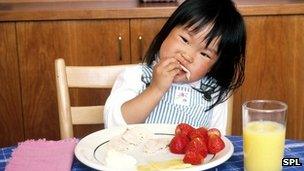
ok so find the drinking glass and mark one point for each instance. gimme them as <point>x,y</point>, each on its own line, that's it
<point>264,127</point>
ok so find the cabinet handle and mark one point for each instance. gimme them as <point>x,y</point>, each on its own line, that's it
<point>119,48</point>
<point>140,49</point>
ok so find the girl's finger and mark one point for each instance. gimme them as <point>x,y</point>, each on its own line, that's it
<point>166,61</point>
<point>174,72</point>
<point>172,66</point>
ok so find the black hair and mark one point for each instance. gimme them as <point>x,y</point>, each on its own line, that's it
<point>227,24</point>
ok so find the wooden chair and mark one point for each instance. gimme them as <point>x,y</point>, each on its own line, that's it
<point>81,77</point>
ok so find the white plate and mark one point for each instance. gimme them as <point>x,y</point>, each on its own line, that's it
<point>90,151</point>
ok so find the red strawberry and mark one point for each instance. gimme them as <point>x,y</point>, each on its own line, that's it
<point>198,145</point>
<point>214,131</point>
<point>193,158</point>
<point>203,131</point>
<point>215,144</point>
<point>178,144</point>
<point>183,129</point>
<point>199,132</point>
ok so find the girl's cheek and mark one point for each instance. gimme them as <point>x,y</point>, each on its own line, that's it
<point>200,70</point>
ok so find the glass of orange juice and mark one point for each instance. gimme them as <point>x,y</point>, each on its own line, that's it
<point>264,127</point>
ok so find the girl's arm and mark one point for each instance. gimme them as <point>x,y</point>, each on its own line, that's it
<point>137,109</point>
<point>126,87</point>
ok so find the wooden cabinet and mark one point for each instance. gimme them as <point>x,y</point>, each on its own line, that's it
<point>143,32</point>
<point>30,74</point>
<point>274,68</point>
<point>91,42</point>
<point>11,122</point>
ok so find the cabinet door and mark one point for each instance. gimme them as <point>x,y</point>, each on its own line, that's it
<point>11,126</point>
<point>274,68</point>
<point>143,32</point>
<point>95,42</point>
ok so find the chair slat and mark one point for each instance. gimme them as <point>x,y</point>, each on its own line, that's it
<point>87,115</point>
<point>93,77</point>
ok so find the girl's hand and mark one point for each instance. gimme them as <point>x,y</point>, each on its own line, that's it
<point>164,73</point>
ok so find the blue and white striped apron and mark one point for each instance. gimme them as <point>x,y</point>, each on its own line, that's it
<point>173,110</point>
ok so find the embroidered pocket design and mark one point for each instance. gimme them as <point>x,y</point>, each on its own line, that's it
<point>182,98</point>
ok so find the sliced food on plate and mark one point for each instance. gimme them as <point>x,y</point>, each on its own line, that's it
<point>189,146</point>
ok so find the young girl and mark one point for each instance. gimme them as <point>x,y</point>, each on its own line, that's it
<point>191,67</point>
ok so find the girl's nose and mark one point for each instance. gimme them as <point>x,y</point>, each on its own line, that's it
<point>187,57</point>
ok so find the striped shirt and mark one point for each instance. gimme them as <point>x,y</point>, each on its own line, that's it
<point>180,104</point>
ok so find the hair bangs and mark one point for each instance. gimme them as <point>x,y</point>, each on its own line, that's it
<point>197,22</point>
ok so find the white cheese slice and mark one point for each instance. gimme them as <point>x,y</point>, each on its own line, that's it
<point>188,74</point>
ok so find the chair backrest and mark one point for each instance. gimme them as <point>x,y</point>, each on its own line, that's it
<point>81,77</point>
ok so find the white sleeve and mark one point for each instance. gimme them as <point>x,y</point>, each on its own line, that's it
<point>127,86</point>
<point>219,117</point>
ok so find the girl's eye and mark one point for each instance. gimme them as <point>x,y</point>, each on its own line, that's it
<point>184,40</point>
<point>205,55</point>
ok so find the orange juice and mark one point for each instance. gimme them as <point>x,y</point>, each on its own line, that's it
<point>263,146</point>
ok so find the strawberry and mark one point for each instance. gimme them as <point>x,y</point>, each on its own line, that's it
<point>199,132</point>
<point>193,158</point>
<point>183,129</point>
<point>215,144</point>
<point>214,131</point>
<point>203,131</point>
<point>178,144</point>
<point>198,145</point>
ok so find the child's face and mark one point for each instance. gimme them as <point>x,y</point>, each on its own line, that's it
<point>191,51</point>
